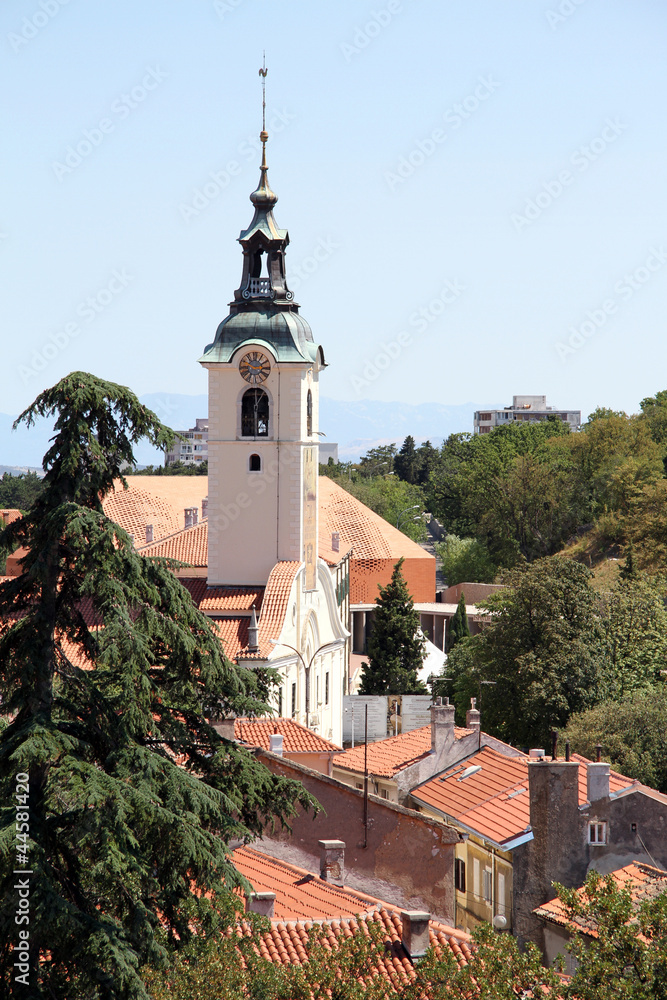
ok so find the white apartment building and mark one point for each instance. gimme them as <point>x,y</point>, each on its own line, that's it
<point>192,447</point>
<point>526,408</point>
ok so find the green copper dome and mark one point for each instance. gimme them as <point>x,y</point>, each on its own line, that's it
<point>286,334</point>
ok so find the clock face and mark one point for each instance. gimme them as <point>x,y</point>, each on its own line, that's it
<point>254,367</point>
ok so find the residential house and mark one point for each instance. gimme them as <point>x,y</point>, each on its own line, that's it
<point>284,737</point>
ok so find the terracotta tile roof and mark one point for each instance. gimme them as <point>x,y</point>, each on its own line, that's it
<point>299,895</point>
<point>296,738</point>
<point>494,801</point>
<point>223,599</point>
<point>134,508</point>
<point>177,492</point>
<point>359,528</point>
<point>190,545</point>
<point>387,757</point>
<point>9,515</point>
<point>644,882</point>
<point>274,607</point>
<point>342,911</point>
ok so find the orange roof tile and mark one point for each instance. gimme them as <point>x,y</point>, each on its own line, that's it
<point>493,801</point>
<point>387,757</point>
<point>644,882</point>
<point>359,528</point>
<point>9,515</point>
<point>296,738</point>
<point>274,607</point>
<point>134,508</point>
<point>223,599</point>
<point>190,545</point>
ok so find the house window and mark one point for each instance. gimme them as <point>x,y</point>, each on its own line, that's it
<point>385,793</point>
<point>255,413</point>
<point>597,833</point>
<point>460,874</point>
<point>293,701</point>
<point>309,414</point>
<point>488,885</point>
<point>254,463</point>
<point>326,688</point>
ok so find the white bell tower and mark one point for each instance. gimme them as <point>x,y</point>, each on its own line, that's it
<point>263,416</point>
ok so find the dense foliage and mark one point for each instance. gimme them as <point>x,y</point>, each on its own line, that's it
<point>127,851</point>
<point>395,646</point>
<point>175,469</point>
<point>19,492</point>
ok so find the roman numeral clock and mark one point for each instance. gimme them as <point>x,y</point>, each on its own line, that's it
<point>254,367</point>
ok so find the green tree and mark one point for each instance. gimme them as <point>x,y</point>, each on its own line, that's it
<point>175,469</point>
<point>634,624</point>
<point>632,733</point>
<point>654,410</point>
<point>459,628</point>
<point>465,560</point>
<point>406,463</point>
<point>19,492</point>
<point>378,461</point>
<point>389,496</point>
<point>127,850</point>
<point>543,647</point>
<point>395,646</point>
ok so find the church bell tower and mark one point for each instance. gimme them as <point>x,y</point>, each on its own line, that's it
<point>263,415</point>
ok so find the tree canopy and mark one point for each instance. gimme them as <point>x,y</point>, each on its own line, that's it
<point>109,676</point>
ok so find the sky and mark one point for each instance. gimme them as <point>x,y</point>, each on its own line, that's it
<point>474,190</point>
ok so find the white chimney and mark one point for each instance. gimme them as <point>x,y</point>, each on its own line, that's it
<point>204,508</point>
<point>195,515</point>
<point>415,935</point>
<point>472,716</point>
<point>597,781</point>
<point>149,534</point>
<point>442,725</point>
<point>536,753</point>
<point>276,743</point>
<point>253,632</point>
<point>332,861</point>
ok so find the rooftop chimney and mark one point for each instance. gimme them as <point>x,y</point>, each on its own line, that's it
<point>149,534</point>
<point>597,781</point>
<point>224,728</point>
<point>335,541</point>
<point>261,902</point>
<point>535,753</point>
<point>415,935</point>
<point>204,508</point>
<point>472,715</point>
<point>442,725</point>
<point>195,515</point>
<point>253,632</point>
<point>332,861</point>
<point>188,517</point>
<point>276,743</point>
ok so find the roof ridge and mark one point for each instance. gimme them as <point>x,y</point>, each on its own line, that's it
<point>174,534</point>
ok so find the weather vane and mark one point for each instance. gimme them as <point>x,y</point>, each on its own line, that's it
<point>263,71</point>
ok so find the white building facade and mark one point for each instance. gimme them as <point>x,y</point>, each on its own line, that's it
<point>526,409</point>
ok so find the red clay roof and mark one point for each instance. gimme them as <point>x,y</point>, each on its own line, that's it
<point>10,514</point>
<point>387,757</point>
<point>359,528</point>
<point>134,508</point>
<point>493,801</point>
<point>296,738</point>
<point>190,545</point>
<point>316,900</point>
<point>223,599</point>
<point>643,881</point>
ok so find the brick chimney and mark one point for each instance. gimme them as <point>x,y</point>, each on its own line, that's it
<point>261,902</point>
<point>332,861</point>
<point>442,726</point>
<point>415,936</point>
<point>472,716</point>
<point>597,776</point>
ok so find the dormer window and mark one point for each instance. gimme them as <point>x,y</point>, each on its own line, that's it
<point>255,413</point>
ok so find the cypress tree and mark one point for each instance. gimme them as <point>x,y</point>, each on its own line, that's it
<point>126,852</point>
<point>395,647</point>
<point>459,628</point>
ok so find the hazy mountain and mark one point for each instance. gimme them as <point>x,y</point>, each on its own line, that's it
<point>355,426</point>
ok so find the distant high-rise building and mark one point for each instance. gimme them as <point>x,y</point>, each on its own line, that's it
<point>192,447</point>
<point>525,408</point>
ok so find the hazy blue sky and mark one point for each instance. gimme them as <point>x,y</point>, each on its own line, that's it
<point>498,165</point>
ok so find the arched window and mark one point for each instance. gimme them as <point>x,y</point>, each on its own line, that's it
<point>255,413</point>
<point>254,464</point>
<point>309,414</point>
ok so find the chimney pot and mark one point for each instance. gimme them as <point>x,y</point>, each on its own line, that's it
<point>442,725</point>
<point>597,780</point>
<point>253,632</point>
<point>473,716</point>
<point>567,750</point>
<point>535,753</point>
<point>188,517</point>
<point>276,744</point>
<point>598,752</point>
<point>332,861</point>
<point>262,903</point>
<point>149,534</point>
<point>415,935</point>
